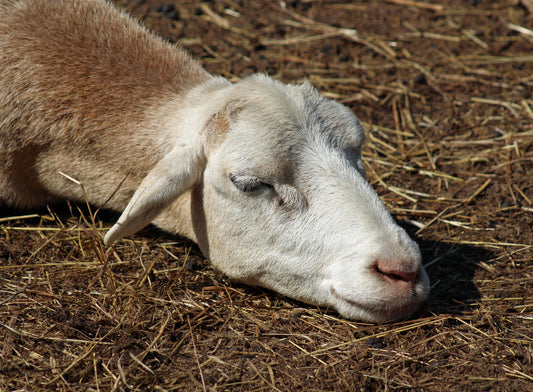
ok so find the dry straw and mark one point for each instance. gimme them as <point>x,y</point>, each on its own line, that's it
<point>444,90</point>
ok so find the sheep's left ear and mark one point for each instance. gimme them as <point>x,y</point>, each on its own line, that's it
<point>172,176</point>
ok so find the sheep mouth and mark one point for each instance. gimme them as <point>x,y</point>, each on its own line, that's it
<point>386,312</point>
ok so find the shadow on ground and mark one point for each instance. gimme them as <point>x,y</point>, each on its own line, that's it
<point>451,268</point>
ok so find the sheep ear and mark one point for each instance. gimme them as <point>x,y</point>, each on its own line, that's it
<point>173,175</point>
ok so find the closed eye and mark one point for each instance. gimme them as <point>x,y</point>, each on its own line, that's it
<point>247,184</point>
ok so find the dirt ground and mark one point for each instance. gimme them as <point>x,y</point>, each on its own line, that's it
<point>444,90</point>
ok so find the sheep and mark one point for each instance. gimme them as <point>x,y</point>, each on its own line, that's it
<point>265,177</point>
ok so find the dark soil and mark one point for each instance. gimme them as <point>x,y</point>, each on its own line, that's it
<point>445,92</point>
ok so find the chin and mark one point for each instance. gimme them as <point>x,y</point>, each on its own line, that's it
<point>376,314</point>
<point>392,306</point>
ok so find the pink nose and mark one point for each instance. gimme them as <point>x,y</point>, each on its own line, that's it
<point>397,271</point>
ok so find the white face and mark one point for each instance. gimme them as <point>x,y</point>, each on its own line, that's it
<point>287,207</point>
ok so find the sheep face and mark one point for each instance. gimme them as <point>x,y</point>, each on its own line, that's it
<point>284,204</point>
<point>271,182</point>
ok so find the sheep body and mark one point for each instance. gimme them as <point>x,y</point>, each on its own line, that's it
<point>76,76</point>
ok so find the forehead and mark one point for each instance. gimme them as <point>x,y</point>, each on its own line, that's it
<point>284,117</point>
<point>328,122</point>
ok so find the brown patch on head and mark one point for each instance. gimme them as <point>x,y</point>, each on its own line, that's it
<point>218,125</point>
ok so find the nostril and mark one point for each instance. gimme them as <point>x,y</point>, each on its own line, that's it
<point>395,271</point>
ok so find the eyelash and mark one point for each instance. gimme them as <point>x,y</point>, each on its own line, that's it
<point>247,184</point>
